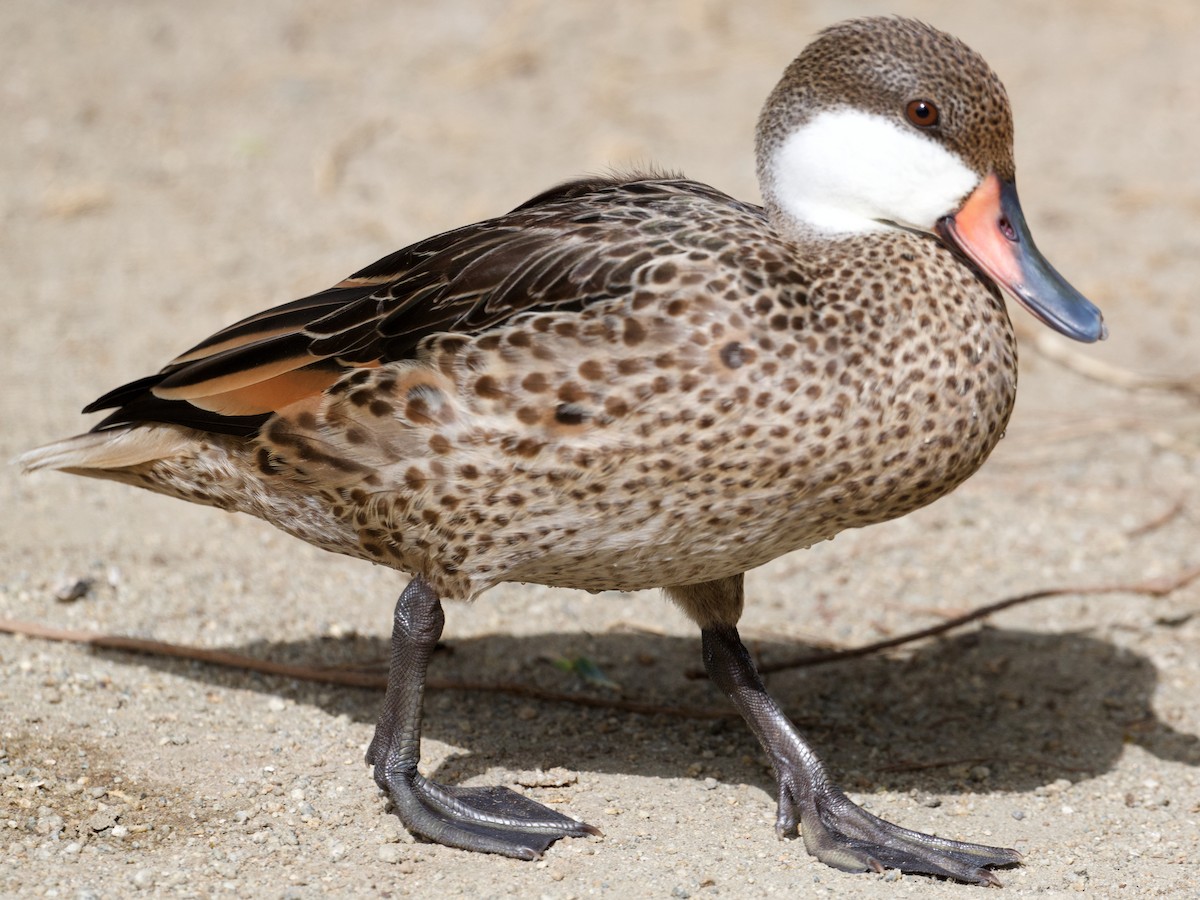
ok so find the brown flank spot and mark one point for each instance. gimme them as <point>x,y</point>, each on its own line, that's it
<point>488,388</point>
<point>732,355</point>
<point>634,333</point>
<point>570,414</point>
<point>265,465</point>
<point>665,272</point>
<point>535,383</point>
<point>591,369</point>
<point>614,406</point>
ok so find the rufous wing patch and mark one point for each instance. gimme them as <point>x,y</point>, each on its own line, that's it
<point>263,396</point>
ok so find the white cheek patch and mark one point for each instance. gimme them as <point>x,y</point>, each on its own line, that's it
<point>846,170</point>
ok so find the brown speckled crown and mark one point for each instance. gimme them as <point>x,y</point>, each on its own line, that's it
<point>879,65</point>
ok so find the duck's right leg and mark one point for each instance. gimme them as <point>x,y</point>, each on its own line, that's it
<point>835,829</point>
<point>485,819</point>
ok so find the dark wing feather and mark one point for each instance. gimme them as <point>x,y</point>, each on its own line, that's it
<point>564,249</point>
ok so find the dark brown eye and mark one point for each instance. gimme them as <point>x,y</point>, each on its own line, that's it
<point>922,113</point>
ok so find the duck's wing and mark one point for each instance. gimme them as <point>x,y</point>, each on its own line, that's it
<point>567,248</point>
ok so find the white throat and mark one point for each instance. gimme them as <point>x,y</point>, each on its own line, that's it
<point>848,171</point>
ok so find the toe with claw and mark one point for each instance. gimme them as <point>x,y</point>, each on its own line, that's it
<point>835,830</point>
<point>484,819</point>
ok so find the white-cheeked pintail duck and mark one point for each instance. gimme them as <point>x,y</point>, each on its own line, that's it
<point>636,382</point>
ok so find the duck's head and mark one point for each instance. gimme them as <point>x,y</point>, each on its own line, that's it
<point>887,123</point>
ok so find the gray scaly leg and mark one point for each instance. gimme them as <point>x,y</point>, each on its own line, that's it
<point>835,829</point>
<point>487,819</point>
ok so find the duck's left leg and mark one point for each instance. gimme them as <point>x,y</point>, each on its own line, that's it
<point>485,819</point>
<point>835,829</point>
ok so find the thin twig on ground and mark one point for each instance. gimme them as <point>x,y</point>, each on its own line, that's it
<point>353,677</point>
<point>357,678</point>
<point>1157,587</point>
<point>1157,522</point>
<point>1057,350</point>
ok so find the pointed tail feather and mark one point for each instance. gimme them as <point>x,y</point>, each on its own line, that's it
<point>116,448</point>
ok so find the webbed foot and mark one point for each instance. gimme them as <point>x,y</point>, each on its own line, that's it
<point>835,830</point>
<point>842,834</point>
<point>484,819</point>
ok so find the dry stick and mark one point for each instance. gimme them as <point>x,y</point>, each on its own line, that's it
<point>1057,350</point>
<point>333,675</point>
<point>1157,587</point>
<point>336,675</point>
<point>1157,522</point>
<point>222,658</point>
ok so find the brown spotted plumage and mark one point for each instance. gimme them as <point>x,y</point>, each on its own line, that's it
<point>640,382</point>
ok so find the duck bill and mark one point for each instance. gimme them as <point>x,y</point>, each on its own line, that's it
<point>990,230</point>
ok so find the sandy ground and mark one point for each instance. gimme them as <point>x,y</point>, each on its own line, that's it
<point>172,167</point>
